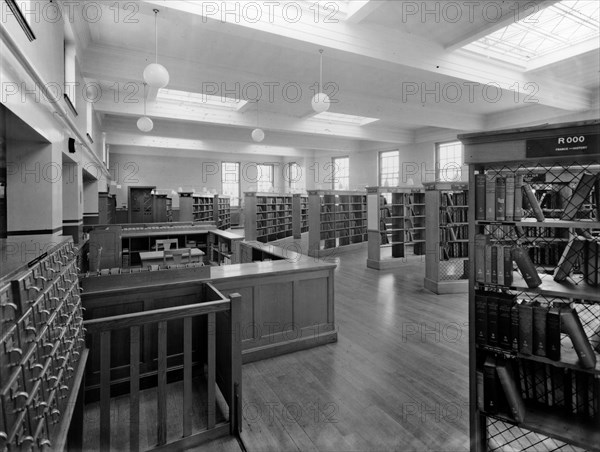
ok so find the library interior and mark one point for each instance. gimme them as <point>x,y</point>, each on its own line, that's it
<point>365,225</point>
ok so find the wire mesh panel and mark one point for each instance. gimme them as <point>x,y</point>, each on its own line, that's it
<point>505,437</point>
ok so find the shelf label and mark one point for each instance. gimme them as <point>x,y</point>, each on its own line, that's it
<point>563,145</point>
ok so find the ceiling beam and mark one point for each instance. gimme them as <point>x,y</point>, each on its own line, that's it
<point>358,10</point>
<point>390,46</point>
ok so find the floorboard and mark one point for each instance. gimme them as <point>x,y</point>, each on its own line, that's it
<point>397,379</point>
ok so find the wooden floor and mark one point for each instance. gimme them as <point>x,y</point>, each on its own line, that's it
<point>397,379</point>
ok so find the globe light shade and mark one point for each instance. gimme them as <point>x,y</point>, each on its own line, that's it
<point>320,102</point>
<point>145,124</point>
<point>258,135</point>
<point>156,75</point>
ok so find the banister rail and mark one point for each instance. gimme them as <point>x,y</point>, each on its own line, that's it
<point>222,372</point>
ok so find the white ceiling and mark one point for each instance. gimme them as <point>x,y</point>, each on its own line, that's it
<point>373,59</point>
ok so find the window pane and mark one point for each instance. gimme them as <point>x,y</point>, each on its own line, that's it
<point>230,180</point>
<point>341,173</point>
<point>389,169</point>
<point>450,161</point>
<point>265,178</point>
<point>293,175</point>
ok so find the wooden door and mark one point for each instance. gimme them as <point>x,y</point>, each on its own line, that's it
<point>140,205</point>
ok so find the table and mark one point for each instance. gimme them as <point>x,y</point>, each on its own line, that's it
<point>157,257</point>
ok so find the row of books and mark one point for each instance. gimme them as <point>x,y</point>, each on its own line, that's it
<point>494,263</point>
<point>454,250</point>
<point>342,216</point>
<point>530,327</point>
<point>274,208</point>
<point>454,233</point>
<point>546,255</point>
<point>342,233</point>
<point>455,199</point>
<point>449,215</point>
<point>504,198</point>
<point>273,200</point>
<point>510,386</point>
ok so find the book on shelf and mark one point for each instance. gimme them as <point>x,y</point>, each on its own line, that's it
<point>480,196</point>
<point>510,198</point>
<point>505,305</point>
<point>514,326</point>
<point>490,197</point>
<point>481,317</point>
<point>539,328</point>
<point>518,203</point>
<point>570,324</point>
<point>526,328</point>
<point>492,320</point>
<point>526,267</point>
<point>500,198</point>
<point>568,259</point>
<point>580,196</point>
<point>491,385</point>
<point>553,334</point>
<point>533,202</point>
<point>511,392</point>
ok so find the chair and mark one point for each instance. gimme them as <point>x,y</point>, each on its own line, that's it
<point>176,257</point>
<point>166,244</point>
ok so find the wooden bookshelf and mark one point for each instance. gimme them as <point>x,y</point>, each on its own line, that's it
<point>268,216</point>
<point>447,227</point>
<point>396,225</point>
<point>336,219</point>
<point>299,215</point>
<point>222,211</point>
<point>563,406</point>
<point>200,207</point>
<point>203,207</point>
<point>107,208</point>
<point>223,247</point>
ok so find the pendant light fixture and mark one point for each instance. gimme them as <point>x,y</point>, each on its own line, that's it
<point>156,75</point>
<point>145,124</point>
<point>258,134</point>
<point>320,101</point>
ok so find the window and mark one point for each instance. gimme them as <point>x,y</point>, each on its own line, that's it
<point>70,66</point>
<point>389,168</point>
<point>230,180</point>
<point>449,161</point>
<point>293,176</point>
<point>341,173</point>
<point>264,178</point>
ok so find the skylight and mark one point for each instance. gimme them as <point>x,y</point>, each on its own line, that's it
<point>557,32</point>
<point>206,100</point>
<point>344,119</point>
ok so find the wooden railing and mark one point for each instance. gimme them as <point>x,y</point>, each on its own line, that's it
<point>223,372</point>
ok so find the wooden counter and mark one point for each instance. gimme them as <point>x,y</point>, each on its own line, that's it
<point>287,304</point>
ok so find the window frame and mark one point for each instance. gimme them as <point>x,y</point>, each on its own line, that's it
<point>259,178</point>
<point>335,177</point>
<point>380,169</point>
<point>235,200</point>
<point>441,174</point>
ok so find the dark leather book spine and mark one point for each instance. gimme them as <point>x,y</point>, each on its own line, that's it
<point>481,318</point>
<point>525,328</point>
<point>514,327</point>
<point>480,197</point>
<point>500,198</point>
<point>526,267</point>
<point>504,322</point>
<point>553,334</point>
<point>494,262</point>
<point>508,266</point>
<point>490,389</point>
<point>518,213</point>
<point>492,321</point>
<point>539,329</point>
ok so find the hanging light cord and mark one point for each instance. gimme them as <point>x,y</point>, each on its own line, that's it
<point>155,36</point>
<point>321,71</point>
<point>257,113</point>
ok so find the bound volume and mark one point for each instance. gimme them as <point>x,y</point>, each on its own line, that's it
<point>580,196</point>
<point>526,267</point>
